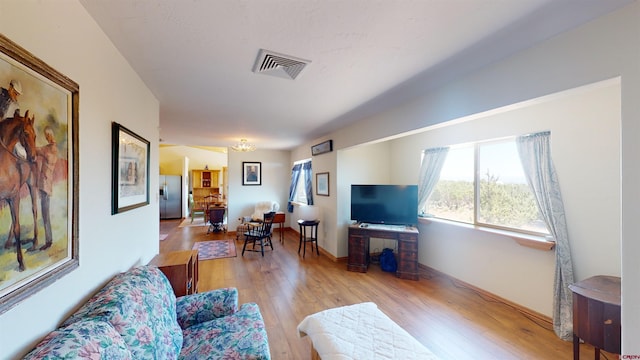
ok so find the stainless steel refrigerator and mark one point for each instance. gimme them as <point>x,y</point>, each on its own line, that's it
<point>170,196</point>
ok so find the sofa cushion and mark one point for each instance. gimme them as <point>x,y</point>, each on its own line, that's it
<point>82,340</point>
<point>141,306</point>
<point>201,307</point>
<point>239,336</point>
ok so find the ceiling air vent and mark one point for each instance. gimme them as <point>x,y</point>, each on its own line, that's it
<point>284,66</point>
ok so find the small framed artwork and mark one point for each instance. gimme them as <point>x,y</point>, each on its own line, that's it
<point>323,147</point>
<point>251,173</point>
<point>130,170</point>
<point>322,184</point>
<point>39,111</point>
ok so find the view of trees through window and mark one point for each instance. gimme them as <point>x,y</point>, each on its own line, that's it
<point>503,196</point>
<point>453,196</point>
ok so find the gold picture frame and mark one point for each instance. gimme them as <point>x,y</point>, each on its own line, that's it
<point>42,104</point>
<point>322,184</point>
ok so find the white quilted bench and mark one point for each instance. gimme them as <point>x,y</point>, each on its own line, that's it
<point>359,331</point>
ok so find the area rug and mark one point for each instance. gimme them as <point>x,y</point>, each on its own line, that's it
<point>163,236</point>
<point>196,222</point>
<point>216,249</point>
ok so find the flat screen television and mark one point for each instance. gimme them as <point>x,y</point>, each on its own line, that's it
<point>385,204</point>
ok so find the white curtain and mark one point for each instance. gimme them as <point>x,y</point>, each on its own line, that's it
<point>432,162</point>
<point>535,155</point>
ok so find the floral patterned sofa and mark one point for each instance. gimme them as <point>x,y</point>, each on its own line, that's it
<point>137,316</point>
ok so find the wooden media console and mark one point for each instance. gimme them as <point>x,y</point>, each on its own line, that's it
<point>407,238</point>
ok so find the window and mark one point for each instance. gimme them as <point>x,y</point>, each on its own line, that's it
<point>301,189</point>
<point>301,194</point>
<point>453,198</point>
<point>484,184</point>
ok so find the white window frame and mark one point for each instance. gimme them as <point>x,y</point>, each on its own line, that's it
<point>476,186</point>
<point>301,196</point>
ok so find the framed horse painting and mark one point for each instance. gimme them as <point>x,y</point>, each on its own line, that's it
<point>38,174</point>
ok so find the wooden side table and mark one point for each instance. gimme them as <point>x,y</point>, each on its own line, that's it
<point>596,314</point>
<point>181,268</point>
<point>279,218</point>
<point>308,233</point>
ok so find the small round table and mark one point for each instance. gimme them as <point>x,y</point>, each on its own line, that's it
<point>308,233</point>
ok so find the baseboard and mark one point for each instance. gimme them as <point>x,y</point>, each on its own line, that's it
<point>534,316</point>
<point>324,252</point>
<point>331,257</point>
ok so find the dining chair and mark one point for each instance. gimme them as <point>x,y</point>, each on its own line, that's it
<point>259,234</point>
<point>216,219</point>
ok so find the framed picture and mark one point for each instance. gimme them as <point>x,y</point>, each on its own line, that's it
<point>130,170</point>
<point>251,173</point>
<point>322,184</point>
<point>38,175</point>
<point>323,147</point>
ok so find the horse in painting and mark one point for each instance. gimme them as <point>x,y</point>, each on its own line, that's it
<point>15,171</point>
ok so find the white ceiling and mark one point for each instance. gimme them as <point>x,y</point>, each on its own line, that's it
<point>197,57</point>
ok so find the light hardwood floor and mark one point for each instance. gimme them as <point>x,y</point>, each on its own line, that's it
<point>452,320</point>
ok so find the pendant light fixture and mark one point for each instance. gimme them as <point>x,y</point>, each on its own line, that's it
<point>243,146</point>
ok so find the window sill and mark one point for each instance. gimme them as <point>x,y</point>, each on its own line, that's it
<point>526,240</point>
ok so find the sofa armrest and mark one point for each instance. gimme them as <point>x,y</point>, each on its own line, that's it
<point>84,339</point>
<point>200,307</point>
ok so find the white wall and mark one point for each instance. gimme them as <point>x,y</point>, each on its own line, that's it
<point>186,179</point>
<point>585,127</point>
<point>276,174</point>
<point>365,165</point>
<point>325,204</point>
<point>65,37</point>
<point>585,143</point>
<point>605,48</point>
<point>62,34</point>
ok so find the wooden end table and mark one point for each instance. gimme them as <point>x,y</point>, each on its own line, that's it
<point>596,314</point>
<point>181,268</point>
